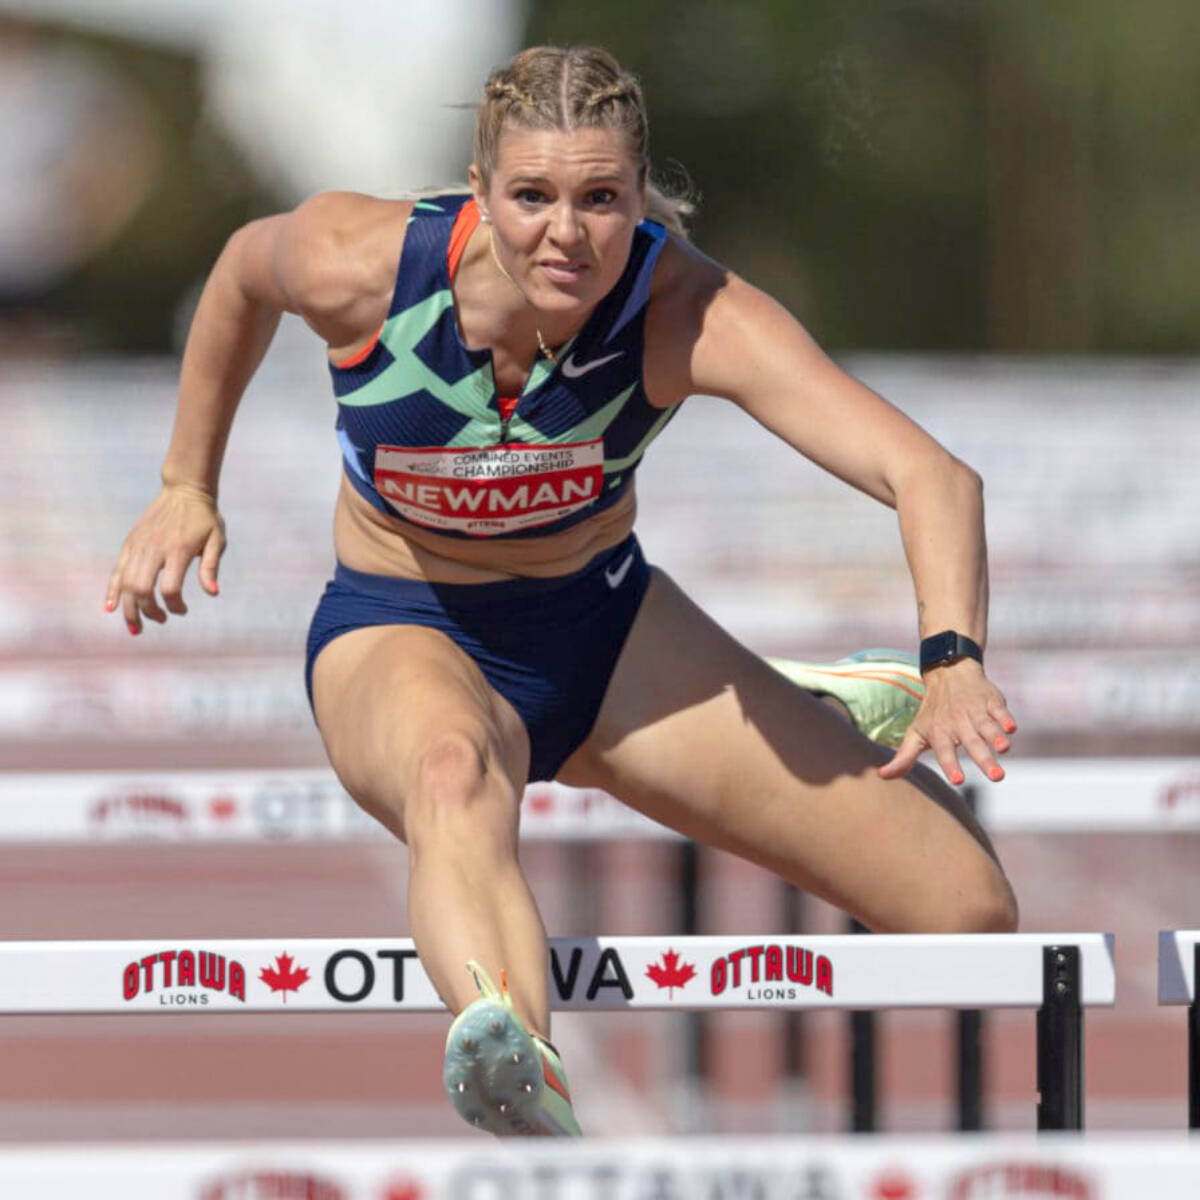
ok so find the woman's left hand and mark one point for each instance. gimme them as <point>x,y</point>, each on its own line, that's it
<point>962,707</point>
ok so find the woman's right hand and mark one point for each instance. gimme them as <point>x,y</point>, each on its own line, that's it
<point>182,523</point>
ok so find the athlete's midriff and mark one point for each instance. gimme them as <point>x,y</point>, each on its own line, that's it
<point>369,540</point>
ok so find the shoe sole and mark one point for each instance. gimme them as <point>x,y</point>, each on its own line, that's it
<point>492,1072</point>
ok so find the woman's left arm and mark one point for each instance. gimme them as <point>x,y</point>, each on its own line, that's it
<point>749,349</point>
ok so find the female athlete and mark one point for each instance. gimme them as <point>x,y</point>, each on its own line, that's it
<point>501,360</point>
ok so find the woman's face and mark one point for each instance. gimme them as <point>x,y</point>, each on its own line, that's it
<point>563,207</point>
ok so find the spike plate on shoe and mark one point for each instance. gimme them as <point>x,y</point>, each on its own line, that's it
<point>495,1071</point>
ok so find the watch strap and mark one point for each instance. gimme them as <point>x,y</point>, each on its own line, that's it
<point>947,647</point>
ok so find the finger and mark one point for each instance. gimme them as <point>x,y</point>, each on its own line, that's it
<point>946,752</point>
<point>151,609</point>
<point>980,752</point>
<point>147,603</point>
<point>133,618</point>
<point>210,559</point>
<point>905,757</point>
<point>999,712</point>
<point>171,584</point>
<point>112,594</point>
<point>140,581</point>
<point>991,732</point>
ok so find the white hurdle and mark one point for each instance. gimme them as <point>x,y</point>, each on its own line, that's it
<point>966,1167</point>
<point>308,804</point>
<point>1178,975</point>
<point>1057,974</point>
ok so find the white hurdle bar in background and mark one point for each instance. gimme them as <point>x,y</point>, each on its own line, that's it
<point>1178,975</point>
<point>294,804</point>
<point>1115,1167</point>
<point>1057,974</point>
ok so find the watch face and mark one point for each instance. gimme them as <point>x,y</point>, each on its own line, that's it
<point>947,647</point>
<point>940,648</point>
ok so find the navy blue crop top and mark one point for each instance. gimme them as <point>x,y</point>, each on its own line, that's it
<point>420,425</point>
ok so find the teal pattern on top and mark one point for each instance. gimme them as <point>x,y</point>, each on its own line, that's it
<point>420,390</point>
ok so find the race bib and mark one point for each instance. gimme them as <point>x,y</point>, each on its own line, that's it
<point>489,491</point>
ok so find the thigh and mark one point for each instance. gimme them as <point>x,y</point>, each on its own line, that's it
<point>383,694</point>
<point>702,735</point>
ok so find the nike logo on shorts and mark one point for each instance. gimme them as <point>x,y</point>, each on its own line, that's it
<point>572,371</point>
<point>615,577</point>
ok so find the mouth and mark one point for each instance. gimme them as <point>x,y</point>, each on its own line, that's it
<point>563,270</point>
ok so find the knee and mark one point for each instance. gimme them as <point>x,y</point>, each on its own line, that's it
<point>460,798</point>
<point>452,770</point>
<point>984,904</point>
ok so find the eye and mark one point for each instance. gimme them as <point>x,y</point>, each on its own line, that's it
<point>528,195</point>
<point>601,196</point>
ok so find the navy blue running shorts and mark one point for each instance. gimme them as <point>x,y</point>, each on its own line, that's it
<point>548,646</point>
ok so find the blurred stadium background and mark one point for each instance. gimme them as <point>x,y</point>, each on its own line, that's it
<point>986,210</point>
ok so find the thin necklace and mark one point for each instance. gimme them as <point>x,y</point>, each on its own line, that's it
<point>546,351</point>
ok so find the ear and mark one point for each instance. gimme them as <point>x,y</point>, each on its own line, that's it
<point>475,179</point>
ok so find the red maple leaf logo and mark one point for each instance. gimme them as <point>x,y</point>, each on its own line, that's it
<point>222,807</point>
<point>284,979</point>
<point>406,1189</point>
<point>894,1185</point>
<point>539,799</point>
<point>672,974</point>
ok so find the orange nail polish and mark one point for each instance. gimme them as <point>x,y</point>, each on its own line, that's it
<point>134,629</point>
<point>109,605</point>
<point>1000,743</point>
<point>995,774</point>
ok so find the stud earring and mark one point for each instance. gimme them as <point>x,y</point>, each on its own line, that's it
<point>484,217</point>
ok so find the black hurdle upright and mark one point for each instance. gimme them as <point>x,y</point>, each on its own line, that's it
<point>1194,1043</point>
<point>864,1027</point>
<point>863,1082</point>
<point>1060,1041</point>
<point>970,1070</point>
<point>794,1058</point>
<point>969,1023</point>
<point>695,1058</point>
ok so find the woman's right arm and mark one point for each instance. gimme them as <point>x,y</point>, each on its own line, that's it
<point>321,261</point>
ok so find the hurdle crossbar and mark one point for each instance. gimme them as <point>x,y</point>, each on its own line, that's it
<point>962,971</point>
<point>589,974</point>
<point>1178,972</point>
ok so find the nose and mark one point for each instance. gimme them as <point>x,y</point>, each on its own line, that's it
<point>565,227</point>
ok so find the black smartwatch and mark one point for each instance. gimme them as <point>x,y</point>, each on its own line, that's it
<point>948,647</point>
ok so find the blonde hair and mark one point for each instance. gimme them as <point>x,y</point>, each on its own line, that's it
<point>554,87</point>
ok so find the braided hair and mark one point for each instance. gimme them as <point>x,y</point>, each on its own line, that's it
<point>553,87</point>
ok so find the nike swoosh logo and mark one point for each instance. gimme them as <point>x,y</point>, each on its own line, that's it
<point>616,577</point>
<point>572,371</point>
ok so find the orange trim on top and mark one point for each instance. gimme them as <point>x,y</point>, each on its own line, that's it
<point>360,355</point>
<point>465,224</point>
